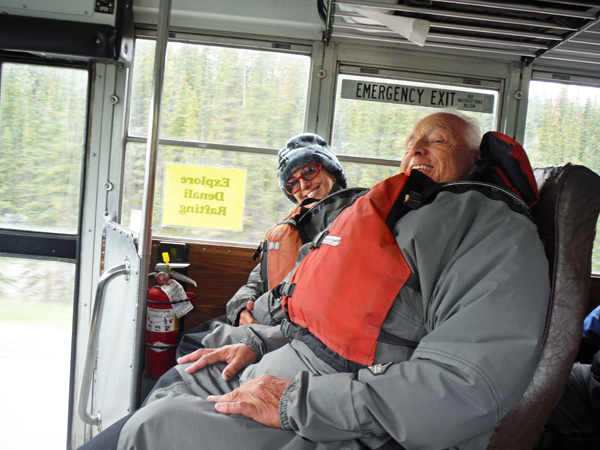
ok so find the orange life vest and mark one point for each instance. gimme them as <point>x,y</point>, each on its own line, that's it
<point>282,244</point>
<point>359,245</point>
<point>279,250</point>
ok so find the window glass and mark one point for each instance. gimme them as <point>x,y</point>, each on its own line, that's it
<point>36,314</point>
<point>563,126</point>
<point>222,95</point>
<point>230,96</point>
<point>379,130</point>
<point>264,202</point>
<point>42,137</point>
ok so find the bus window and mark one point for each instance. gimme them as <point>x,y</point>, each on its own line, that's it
<point>42,120</point>
<point>224,107</point>
<point>42,140</point>
<point>562,126</point>
<point>36,310</point>
<point>377,128</point>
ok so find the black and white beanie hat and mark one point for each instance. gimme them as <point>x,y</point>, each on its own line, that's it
<point>305,149</point>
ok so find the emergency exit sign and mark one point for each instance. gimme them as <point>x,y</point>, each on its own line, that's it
<point>417,95</point>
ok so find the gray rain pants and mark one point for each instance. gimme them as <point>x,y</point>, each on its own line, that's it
<point>179,417</point>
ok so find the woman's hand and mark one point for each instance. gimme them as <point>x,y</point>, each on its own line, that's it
<point>237,357</point>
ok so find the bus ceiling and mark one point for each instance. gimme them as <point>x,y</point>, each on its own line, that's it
<point>548,33</point>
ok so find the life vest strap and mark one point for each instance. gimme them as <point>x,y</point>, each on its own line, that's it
<point>321,351</point>
<point>261,248</point>
<point>388,338</point>
<point>262,286</point>
<point>289,221</point>
<point>413,282</point>
<point>286,289</point>
<point>318,240</point>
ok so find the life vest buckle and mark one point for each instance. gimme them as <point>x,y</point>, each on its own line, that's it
<point>287,289</point>
<point>317,241</point>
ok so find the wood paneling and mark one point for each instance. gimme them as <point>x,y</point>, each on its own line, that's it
<point>219,272</point>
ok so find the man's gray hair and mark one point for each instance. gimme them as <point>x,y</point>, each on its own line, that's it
<point>473,130</point>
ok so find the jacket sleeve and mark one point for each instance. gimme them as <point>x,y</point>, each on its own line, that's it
<point>485,288</point>
<point>248,292</point>
<point>591,329</point>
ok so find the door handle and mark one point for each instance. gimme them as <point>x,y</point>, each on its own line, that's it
<point>92,346</point>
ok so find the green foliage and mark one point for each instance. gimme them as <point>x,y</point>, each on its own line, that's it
<point>564,128</point>
<point>379,130</point>
<point>227,96</point>
<point>42,133</point>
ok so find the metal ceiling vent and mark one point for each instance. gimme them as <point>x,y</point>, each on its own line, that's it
<point>526,29</point>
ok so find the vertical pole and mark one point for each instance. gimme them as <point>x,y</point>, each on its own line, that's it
<point>145,237</point>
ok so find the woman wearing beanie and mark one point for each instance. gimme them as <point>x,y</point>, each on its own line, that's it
<point>307,164</point>
<point>308,172</point>
<point>310,176</point>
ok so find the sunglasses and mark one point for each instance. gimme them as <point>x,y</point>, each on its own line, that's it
<point>307,174</point>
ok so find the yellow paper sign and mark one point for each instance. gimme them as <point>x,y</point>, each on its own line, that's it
<point>203,197</point>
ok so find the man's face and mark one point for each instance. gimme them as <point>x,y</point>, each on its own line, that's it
<point>437,148</point>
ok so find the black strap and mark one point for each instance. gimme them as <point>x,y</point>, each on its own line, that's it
<point>391,444</point>
<point>286,289</point>
<point>261,248</point>
<point>388,338</point>
<point>174,302</point>
<point>321,351</point>
<point>262,286</point>
<point>291,221</point>
<point>413,282</point>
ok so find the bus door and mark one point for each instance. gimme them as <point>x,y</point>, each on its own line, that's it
<point>62,101</point>
<point>43,124</point>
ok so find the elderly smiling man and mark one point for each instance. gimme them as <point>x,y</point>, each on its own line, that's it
<point>414,322</point>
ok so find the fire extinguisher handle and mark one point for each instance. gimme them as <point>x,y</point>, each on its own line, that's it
<point>181,277</point>
<point>163,267</point>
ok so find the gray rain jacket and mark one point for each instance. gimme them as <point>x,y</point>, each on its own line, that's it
<point>479,319</point>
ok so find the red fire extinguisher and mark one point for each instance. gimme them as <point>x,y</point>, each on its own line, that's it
<point>167,302</point>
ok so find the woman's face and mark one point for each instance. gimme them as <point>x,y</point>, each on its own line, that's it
<point>319,187</point>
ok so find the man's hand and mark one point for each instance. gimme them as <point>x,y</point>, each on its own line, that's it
<point>257,399</point>
<point>246,316</point>
<point>237,356</point>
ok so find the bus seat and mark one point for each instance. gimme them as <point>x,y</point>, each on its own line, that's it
<point>566,215</point>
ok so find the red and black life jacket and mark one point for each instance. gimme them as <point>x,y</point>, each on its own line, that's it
<point>356,270</point>
<point>325,283</point>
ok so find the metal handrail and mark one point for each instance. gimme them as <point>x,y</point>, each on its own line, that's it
<point>92,346</point>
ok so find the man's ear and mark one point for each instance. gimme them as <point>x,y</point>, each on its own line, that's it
<point>475,156</point>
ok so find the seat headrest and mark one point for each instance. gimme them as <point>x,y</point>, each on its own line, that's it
<point>509,165</point>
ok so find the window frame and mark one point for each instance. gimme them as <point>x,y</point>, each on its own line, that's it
<point>51,246</point>
<point>313,50</point>
<point>45,244</point>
